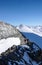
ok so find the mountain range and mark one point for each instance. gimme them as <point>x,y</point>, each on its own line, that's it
<point>31,29</point>
<point>13,48</point>
<point>34,33</point>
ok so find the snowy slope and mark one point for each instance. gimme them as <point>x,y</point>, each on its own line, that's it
<point>7,30</point>
<point>33,33</point>
<point>7,43</point>
<point>31,29</point>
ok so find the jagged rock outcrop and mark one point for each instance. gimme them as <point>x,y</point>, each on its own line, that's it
<point>22,55</point>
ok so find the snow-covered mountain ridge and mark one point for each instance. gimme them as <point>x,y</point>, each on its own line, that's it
<point>7,31</point>
<point>31,29</point>
<point>12,49</point>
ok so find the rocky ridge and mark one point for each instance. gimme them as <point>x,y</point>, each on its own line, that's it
<point>7,30</point>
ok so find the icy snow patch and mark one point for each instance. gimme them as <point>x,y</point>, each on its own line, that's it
<point>25,46</point>
<point>7,43</point>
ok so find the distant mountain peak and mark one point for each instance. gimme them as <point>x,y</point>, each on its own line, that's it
<point>32,29</point>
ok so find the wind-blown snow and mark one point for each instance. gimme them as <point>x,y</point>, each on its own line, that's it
<point>7,43</point>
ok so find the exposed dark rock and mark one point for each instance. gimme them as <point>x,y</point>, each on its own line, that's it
<point>22,55</point>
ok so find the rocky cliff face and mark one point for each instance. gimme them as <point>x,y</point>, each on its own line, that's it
<point>7,30</point>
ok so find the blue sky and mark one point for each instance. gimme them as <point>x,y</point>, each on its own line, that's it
<point>16,12</point>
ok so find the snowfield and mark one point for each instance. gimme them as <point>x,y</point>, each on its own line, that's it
<point>7,43</point>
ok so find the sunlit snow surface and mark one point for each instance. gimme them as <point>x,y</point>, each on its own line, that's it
<point>7,43</point>
<point>31,29</point>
